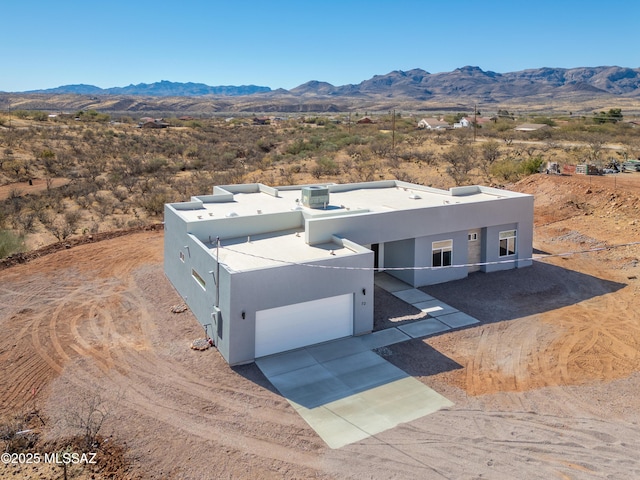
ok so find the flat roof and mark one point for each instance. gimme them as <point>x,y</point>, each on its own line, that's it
<point>243,200</point>
<point>273,249</point>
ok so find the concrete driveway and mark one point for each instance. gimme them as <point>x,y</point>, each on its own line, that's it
<point>346,392</point>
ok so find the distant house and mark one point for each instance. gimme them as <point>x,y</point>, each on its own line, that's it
<point>154,124</point>
<point>365,120</point>
<point>148,122</point>
<point>261,121</point>
<point>530,127</point>
<point>432,124</point>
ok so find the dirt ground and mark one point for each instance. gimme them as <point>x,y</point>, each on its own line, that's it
<point>38,185</point>
<point>544,387</point>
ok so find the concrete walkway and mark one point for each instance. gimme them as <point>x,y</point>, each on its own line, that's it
<point>346,392</point>
<point>441,317</point>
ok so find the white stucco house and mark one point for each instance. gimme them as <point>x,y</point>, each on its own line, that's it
<point>463,123</point>
<point>267,269</point>
<point>433,124</point>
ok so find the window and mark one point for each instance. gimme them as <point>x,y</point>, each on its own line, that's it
<point>442,253</point>
<point>473,237</point>
<point>199,279</point>
<point>507,243</point>
<point>182,256</point>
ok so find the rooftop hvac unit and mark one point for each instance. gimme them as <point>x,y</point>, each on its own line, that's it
<point>315,196</point>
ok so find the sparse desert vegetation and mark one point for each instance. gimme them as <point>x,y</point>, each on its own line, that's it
<point>86,173</point>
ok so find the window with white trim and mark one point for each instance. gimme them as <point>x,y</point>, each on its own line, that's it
<point>473,236</point>
<point>182,256</point>
<point>507,243</point>
<point>199,279</point>
<point>442,253</point>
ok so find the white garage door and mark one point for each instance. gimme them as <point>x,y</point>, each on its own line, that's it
<point>301,324</point>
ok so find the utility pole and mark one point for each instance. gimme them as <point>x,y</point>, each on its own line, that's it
<point>475,120</point>
<point>393,131</point>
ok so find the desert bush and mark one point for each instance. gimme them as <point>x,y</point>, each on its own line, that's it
<point>325,166</point>
<point>460,160</point>
<point>297,147</point>
<point>87,412</point>
<point>404,176</point>
<point>26,221</point>
<point>381,147</point>
<point>16,434</point>
<point>531,165</point>
<point>104,204</point>
<point>60,228</point>
<point>426,156</point>
<point>10,242</point>
<point>505,169</point>
<point>154,203</point>
<point>73,217</point>
<point>14,202</point>
<point>265,144</point>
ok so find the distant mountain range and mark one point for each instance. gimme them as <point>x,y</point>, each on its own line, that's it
<point>418,84</point>
<point>157,89</point>
<point>590,87</point>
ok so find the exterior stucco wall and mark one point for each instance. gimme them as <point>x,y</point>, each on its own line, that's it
<point>259,289</point>
<point>245,225</point>
<point>400,254</point>
<point>523,248</point>
<point>262,289</point>
<point>424,256</point>
<point>438,222</point>
<point>201,301</point>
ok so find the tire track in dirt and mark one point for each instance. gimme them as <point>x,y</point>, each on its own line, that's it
<point>540,444</point>
<point>27,375</point>
<point>158,388</point>
<point>178,399</point>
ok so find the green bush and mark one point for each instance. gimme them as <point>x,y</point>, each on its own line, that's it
<point>506,169</point>
<point>10,243</point>
<point>531,165</point>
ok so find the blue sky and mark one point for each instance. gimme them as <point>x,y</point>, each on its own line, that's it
<point>282,44</point>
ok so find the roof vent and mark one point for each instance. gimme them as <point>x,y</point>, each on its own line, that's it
<point>231,214</point>
<point>415,196</point>
<point>315,196</point>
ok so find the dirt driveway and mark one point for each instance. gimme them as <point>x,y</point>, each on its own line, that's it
<point>545,387</point>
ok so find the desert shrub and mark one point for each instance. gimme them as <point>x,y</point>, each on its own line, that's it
<point>506,169</point>
<point>460,160</point>
<point>297,147</point>
<point>154,165</point>
<point>21,114</point>
<point>325,166</point>
<point>381,146</point>
<point>531,165</point>
<point>60,228</point>
<point>345,139</point>
<point>73,217</point>
<point>16,435</point>
<point>265,144</point>
<point>10,242</point>
<point>154,203</point>
<point>26,221</point>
